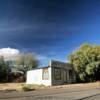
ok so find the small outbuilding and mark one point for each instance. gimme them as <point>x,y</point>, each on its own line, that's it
<point>56,73</point>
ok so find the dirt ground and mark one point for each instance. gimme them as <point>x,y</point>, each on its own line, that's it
<point>64,92</point>
<point>11,86</point>
<point>18,86</point>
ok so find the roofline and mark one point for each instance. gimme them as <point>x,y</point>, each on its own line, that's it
<point>41,67</point>
<point>59,61</point>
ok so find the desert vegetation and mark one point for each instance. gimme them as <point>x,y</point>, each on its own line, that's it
<point>15,70</point>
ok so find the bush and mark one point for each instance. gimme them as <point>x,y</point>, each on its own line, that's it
<point>86,62</point>
<point>28,88</point>
<point>31,87</point>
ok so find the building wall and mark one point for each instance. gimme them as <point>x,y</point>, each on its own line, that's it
<point>59,73</point>
<point>62,73</point>
<point>36,77</point>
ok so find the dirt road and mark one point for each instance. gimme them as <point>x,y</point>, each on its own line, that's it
<point>61,93</point>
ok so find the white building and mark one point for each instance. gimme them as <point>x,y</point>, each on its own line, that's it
<point>57,73</point>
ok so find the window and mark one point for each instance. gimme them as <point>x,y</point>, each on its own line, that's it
<point>45,74</point>
<point>57,73</point>
<point>71,74</point>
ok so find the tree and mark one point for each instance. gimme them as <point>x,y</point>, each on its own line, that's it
<point>26,62</point>
<point>86,61</point>
<point>30,61</point>
<point>3,70</point>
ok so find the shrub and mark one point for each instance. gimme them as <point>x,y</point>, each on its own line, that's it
<point>28,88</point>
<point>31,87</point>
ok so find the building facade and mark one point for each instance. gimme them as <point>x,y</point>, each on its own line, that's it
<point>57,73</point>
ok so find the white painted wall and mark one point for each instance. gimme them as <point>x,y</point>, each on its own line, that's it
<point>35,77</point>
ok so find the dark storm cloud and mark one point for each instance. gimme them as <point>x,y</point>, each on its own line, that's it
<point>52,28</point>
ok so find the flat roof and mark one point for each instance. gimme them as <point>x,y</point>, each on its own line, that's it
<point>41,67</point>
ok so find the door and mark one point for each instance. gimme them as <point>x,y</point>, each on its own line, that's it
<point>65,76</point>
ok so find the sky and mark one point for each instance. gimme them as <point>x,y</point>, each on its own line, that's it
<point>50,29</point>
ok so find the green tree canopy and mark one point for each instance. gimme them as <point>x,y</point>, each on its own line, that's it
<point>86,61</point>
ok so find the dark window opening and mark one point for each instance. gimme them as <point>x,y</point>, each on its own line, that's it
<point>57,73</point>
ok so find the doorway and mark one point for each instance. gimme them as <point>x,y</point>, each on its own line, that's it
<point>65,76</point>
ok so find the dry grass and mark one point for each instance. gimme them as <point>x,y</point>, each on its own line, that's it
<point>20,86</point>
<point>11,86</point>
<point>81,85</point>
